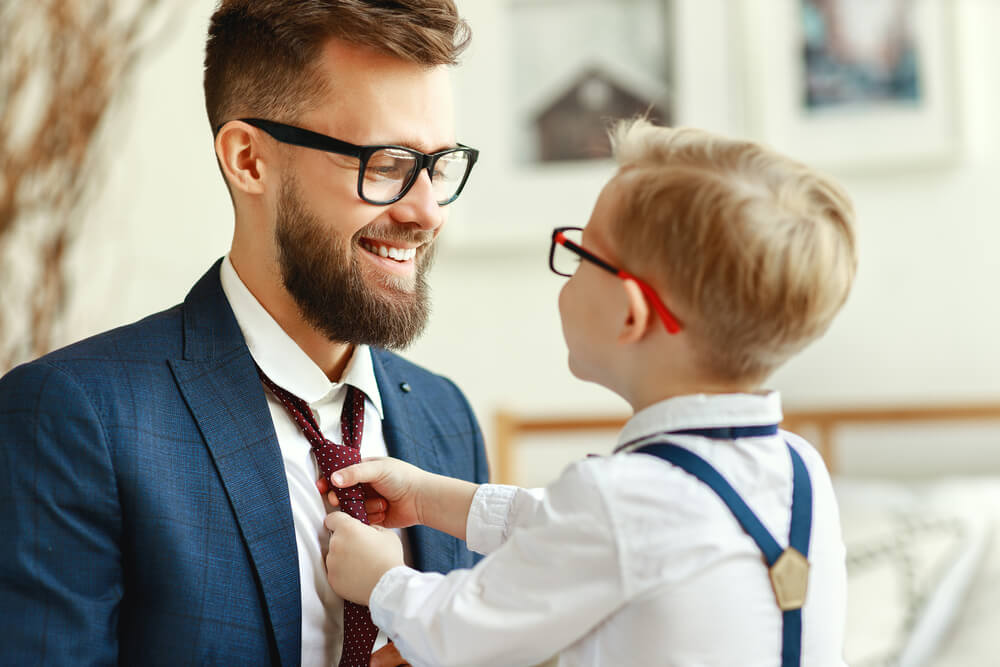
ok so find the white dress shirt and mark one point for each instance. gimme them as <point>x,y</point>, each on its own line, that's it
<point>627,560</point>
<point>290,368</point>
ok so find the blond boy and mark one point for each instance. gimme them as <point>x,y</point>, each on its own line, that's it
<point>706,264</point>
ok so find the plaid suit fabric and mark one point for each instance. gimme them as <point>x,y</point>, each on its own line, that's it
<point>143,502</point>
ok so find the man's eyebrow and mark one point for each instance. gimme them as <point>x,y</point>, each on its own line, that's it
<point>419,145</point>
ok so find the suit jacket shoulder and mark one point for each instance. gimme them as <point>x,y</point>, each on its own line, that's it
<point>146,499</point>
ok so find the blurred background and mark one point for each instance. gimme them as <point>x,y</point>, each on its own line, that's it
<point>111,207</point>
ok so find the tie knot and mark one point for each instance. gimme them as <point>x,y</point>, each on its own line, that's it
<point>352,414</point>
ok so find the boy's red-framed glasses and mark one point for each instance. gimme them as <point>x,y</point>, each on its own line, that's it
<point>564,259</point>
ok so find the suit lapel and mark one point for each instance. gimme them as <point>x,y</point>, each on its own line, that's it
<point>408,438</point>
<point>221,388</point>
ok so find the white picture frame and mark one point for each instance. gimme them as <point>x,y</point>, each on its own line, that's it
<point>512,204</point>
<point>874,136</point>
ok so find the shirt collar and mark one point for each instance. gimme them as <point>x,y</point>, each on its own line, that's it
<point>282,359</point>
<point>703,411</point>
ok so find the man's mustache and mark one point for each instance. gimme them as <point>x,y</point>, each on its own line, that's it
<point>398,233</point>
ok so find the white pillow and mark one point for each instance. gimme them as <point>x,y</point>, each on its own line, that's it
<point>912,551</point>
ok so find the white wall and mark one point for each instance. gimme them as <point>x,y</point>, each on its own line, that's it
<point>922,325</point>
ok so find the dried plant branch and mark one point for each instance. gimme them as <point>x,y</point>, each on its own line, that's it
<point>63,64</point>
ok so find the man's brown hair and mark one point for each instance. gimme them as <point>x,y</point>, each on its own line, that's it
<point>261,55</point>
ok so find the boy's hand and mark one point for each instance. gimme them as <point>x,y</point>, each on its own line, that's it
<point>375,505</point>
<point>359,555</point>
<point>396,485</point>
<point>388,656</point>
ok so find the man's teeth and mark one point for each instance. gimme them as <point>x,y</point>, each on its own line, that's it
<point>398,254</point>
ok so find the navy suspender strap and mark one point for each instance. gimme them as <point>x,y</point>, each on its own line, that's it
<point>729,432</point>
<point>798,534</point>
<point>714,432</point>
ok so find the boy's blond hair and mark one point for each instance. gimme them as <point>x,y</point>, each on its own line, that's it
<point>755,252</point>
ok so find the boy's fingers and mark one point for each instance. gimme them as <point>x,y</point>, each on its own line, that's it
<point>343,477</point>
<point>376,504</point>
<point>366,471</point>
<point>374,507</point>
<point>323,484</point>
<point>336,520</point>
<point>388,656</point>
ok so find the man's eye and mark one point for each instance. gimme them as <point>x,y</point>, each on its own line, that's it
<point>389,164</point>
<point>384,172</point>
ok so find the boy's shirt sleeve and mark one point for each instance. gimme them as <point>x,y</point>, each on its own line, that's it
<point>492,509</point>
<point>553,573</point>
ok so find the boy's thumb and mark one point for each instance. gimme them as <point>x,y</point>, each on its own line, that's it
<point>352,474</point>
<point>336,520</point>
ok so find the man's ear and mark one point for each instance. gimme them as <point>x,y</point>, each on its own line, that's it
<point>639,317</point>
<point>238,148</point>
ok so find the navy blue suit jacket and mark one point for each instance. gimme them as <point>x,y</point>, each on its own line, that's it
<point>144,512</point>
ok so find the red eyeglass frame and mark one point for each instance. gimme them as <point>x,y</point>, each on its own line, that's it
<point>559,237</point>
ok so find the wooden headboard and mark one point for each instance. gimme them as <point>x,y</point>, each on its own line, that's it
<point>510,426</point>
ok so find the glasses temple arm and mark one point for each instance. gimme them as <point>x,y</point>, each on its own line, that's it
<point>673,326</point>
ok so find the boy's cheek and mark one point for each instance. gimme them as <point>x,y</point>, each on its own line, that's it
<point>572,327</point>
<point>582,306</point>
<point>568,315</point>
<point>561,304</point>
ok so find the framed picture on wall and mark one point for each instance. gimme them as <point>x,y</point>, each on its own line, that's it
<point>852,84</point>
<point>541,82</point>
<point>601,59</point>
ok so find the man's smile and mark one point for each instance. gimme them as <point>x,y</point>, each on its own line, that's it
<point>385,250</point>
<point>396,258</point>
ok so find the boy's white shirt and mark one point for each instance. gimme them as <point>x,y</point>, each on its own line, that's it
<point>628,560</point>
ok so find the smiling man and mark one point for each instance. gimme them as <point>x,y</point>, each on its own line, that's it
<point>161,500</point>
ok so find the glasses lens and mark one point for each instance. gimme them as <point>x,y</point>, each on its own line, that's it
<point>564,260</point>
<point>387,173</point>
<point>449,173</point>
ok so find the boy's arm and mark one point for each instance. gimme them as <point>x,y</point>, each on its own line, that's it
<point>557,575</point>
<point>444,504</point>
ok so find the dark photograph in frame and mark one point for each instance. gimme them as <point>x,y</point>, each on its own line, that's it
<point>581,64</point>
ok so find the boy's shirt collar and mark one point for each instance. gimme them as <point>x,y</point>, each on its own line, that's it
<point>282,359</point>
<point>702,411</point>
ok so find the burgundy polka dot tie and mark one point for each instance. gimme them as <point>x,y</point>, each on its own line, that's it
<point>359,631</point>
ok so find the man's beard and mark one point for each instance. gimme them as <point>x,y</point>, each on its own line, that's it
<point>324,277</point>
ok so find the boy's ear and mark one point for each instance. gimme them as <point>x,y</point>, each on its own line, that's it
<point>238,148</point>
<point>639,316</point>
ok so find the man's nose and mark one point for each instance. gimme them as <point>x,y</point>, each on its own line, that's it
<point>420,206</point>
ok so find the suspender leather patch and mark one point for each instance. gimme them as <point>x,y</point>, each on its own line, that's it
<point>790,579</point>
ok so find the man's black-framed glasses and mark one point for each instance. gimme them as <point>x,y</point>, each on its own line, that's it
<point>566,252</point>
<point>386,172</point>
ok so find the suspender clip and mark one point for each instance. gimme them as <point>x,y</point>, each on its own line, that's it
<point>789,579</point>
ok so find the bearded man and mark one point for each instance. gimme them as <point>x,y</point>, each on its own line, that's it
<point>160,501</point>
